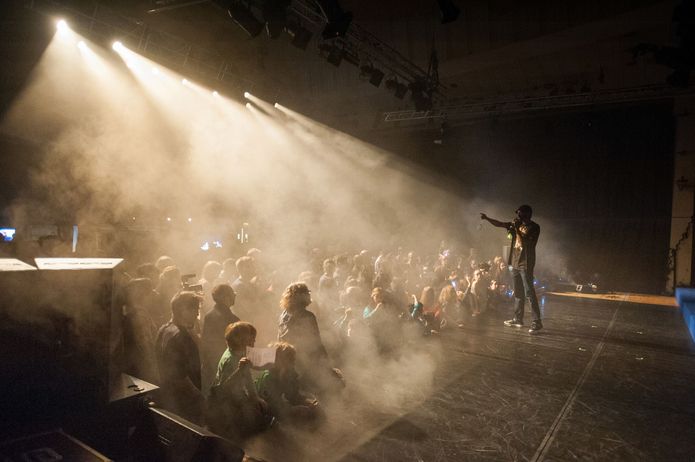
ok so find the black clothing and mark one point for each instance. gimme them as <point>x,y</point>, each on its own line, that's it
<point>213,343</point>
<point>301,330</point>
<point>524,239</point>
<point>178,359</point>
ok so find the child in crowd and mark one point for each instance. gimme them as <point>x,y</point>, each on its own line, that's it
<point>279,387</point>
<point>235,410</point>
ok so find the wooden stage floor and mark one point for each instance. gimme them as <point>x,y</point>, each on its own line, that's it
<point>606,380</point>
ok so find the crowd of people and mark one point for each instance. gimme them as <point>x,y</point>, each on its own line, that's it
<point>191,335</point>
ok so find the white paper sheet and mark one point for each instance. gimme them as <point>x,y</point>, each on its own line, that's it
<point>260,356</point>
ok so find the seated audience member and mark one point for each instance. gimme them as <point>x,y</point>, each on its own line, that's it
<point>215,324</point>
<point>279,387</point>
<point>235,410</point>
<point>298,327</point>
<point>480,286</point>
<point>178,359</point>
<point>431,311</point>
<point>139,331</point>
<point>383,318</point>
<point>449,304</point>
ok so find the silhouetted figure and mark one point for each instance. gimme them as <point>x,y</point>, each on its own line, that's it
<point>298,327</point>
<point>522,260</point>
<point>215,323</point>
<point>178,359</point>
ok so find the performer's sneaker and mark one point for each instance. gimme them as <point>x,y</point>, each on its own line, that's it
<point>536,326</point>
<point>513,323</point>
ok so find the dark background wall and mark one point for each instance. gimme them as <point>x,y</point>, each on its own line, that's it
<point>600,182</point>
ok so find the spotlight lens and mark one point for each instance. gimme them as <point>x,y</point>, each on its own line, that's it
<point>118,46</point>
<point>62,25</point>
<point>247,94</point>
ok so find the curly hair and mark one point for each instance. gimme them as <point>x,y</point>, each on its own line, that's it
<point>288,299</point>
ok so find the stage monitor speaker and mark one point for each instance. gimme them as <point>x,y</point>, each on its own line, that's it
<point>166,437</point>
<point>59,337</point>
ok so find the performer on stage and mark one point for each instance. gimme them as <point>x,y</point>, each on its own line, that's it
<point>522,260</point>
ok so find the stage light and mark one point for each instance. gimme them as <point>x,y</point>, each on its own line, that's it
<point>244,18</point>
<point>184,82</point>
<point>248,106</point>
<point>81,45</point>
<point>338,19</point>
<point>247,95</point>
<point>117,46</point>
<point>62,25</point>
<point>301,36</point>
<point>276,105</point>
<point>155,71</point>
<point>190,219</point>
<point>374,75</point>
<point>275,16</point>
<point>332,53</point>
<point>214,93</point>
<point>169,219</point>
<point>449,12</point>
<point>422,95</point>
<point>398,88</point>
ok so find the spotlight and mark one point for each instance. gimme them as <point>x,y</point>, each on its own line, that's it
<point>333,53</point>
<point>422,95</point>
<point>375,75</point>
<point>275,16</point>
<point>300,35</point>
<point>117,46</point>
<point>398,88</point>
<point>248,106</point>
<point>214,93</point>
<point>62,25</point>
<point>244,18</point>
<point>81,45</point>
<point>247,95</point>
<point>155,71</point>
<point>276,106</point>
<point>338,20</point>
<point>190,219</point>
<point>168,218</point>
<point>449,12</point>
<point>184,82</point>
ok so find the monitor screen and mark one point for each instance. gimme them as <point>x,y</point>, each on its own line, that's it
<point>7,234</point>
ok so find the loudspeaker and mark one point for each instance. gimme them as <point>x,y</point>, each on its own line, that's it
<point>164,436</point>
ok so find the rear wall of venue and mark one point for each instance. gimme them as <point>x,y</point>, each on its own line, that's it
<point>600,182</point>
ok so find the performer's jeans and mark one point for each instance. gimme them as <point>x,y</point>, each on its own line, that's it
<point>523,288</point>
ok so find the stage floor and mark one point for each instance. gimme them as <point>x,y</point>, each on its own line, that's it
<point>605,380</point>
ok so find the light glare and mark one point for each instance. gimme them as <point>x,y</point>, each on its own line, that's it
<point>117,46</point>
<point>247,95</point>
<point>62,25</point>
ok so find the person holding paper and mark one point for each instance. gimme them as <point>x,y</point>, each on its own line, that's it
<point>235,410</point>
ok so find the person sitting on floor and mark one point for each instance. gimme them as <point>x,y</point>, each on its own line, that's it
<point>235,410</point>
<point>279,387</point>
